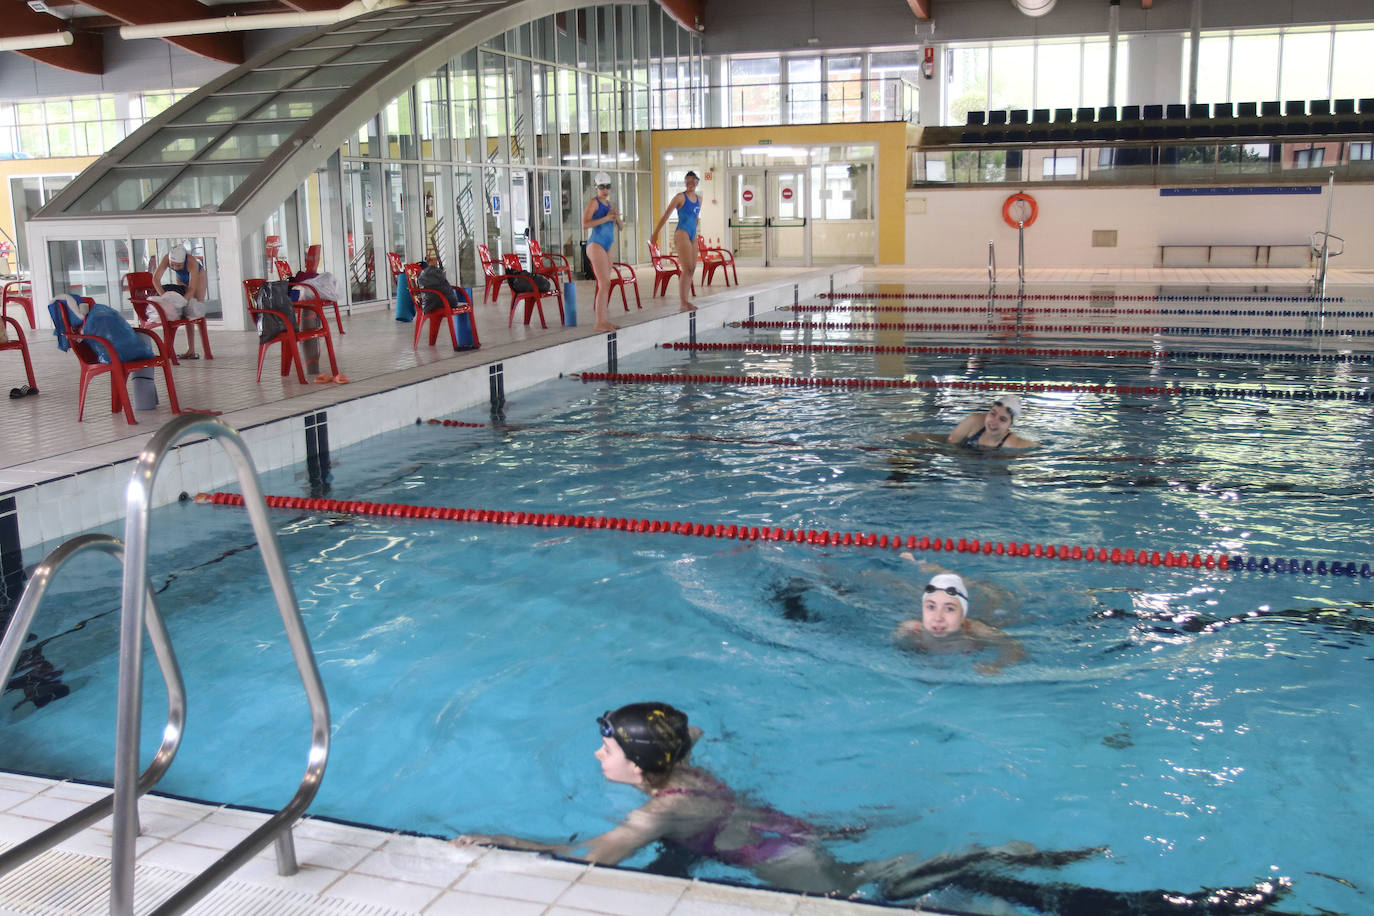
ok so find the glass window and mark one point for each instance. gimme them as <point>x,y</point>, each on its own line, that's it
<point>222,108</point>
<point>1096,61</point>
<point>1352,51</point>
<point>463,88</point>
<point>803,91</point>
<point>1254,69</point>
<point>968,83</point>
<point>175,145</point>
<point>521,113</point>
<point>494,102</point>
<point>1011,65</point>
<point>203,185</point>
<point>1307,57</point>
<point>122,189</point>
<point>432,97</point>
<point>844,88</point>
<point>755,90</point>
<point>1213,67</point>
<point>253,141</point>
<point>259,80</point>
<point>291,104</point>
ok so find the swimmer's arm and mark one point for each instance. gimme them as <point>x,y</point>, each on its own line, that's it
<point>673,204</point>
<point>908,629</point>
<point>1009,651</point>
<point>965,428</point>
<point>1015,441</point>
<point>610,848</point>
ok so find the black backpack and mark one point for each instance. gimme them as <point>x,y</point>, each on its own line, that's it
<point>432,277</point>
<point>275,298</point>
<point>522,281</point>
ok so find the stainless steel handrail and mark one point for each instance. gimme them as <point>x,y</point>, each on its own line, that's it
<point>1021,252</point>
<point>138,499</point>
<point>992,263</point>
<point>13,645</point>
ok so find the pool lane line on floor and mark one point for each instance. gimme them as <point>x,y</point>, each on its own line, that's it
<point>1029,329</point>
<point>1094,297</point>
<point>1077,310</point>
<point>1070,353</point>
<point>812,536</point>
<point>789,381</point>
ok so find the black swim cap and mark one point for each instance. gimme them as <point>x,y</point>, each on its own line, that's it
<point>653,736</point>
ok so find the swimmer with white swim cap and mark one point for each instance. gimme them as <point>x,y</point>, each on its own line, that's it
<point>992,430</point>
<point>944,616</point>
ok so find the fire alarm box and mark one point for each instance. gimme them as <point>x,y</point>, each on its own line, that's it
<point>928,63</point>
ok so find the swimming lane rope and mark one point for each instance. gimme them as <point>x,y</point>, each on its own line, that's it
<point>788,381</point>
<point>1094,297</point>
<point>1179,330</point>
<point>809,536</point>
<point>1072,353</point>
<point>1102,311</point>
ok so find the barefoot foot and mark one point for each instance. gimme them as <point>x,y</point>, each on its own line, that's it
<point>606,326</point>
<point>687,307</point>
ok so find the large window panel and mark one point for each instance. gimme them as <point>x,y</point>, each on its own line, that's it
<point>399,118</point>
<point>1351,56</point>
<point>432,99</point>
<point>175,145</point>
<point>1058,75</point>
<point>803,91</point>
<point>521,113</point>
<point>1254,69</point>
<point>123,189</point>
<point>844,88</point>
<point>463,88</point>
<point>1213,67</point>
<point>221,108</point>
<point>293,104</point>
<point>968,83</point>
<point>254,141</point>
<point>203,185</point>
<point>755,91</point>
<point>1310,55</point>
<point>493,103</point>
<point>1011,64</point>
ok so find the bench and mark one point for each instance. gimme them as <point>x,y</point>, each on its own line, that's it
<point>1276,254</point>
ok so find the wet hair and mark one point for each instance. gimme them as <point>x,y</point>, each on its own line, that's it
<point>654,736</point>
<point>691,175</point>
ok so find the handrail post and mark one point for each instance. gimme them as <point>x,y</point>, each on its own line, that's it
<point>992,263</point>
<point>1326,235</point>
<point>1021,252</point>
<point>138,504</point>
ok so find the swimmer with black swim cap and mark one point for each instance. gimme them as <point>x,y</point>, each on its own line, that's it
<point>653,736</point>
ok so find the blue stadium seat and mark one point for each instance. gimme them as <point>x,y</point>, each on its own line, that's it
<point>1175,112</point>
<point>1199,110</point>
<point>1344,106</point>
<point>1221,110</point>
<point>1269,109</point>
<point>1018,116</point>
<point>1130,113</point>
<point>1063,115</point>
<point>1152,112</point>
<point>975,117</point>
<point>997,117</point>
<point>1319,107</point>
<point>1247,110</point>
<point>1106,113</point>
<point>1295,108</point>
<point>1040,116</point>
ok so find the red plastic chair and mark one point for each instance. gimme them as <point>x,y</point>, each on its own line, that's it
<point>713,259</point>
<point>532,300</point>
<point>621,281</point>
<point>445,312</point>
<point>20,292</point>
<point>284,271</point>
<point>289,338</point>
<point>17,342</point>
<point>666,266</point>
<point>492,273</point>
<point>397,266</point>
<point>118,369</point>
<point>552,266</point>
<point>138,286</point>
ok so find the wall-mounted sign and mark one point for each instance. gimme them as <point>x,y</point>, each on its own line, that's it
<point>548,201</point>
<point>786,193</point>
<point>747,195</point>
<point>496,204</point>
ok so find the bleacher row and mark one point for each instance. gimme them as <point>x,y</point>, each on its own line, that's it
<point>1171,122</point>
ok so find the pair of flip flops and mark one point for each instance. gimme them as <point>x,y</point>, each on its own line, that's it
<point>22,391</point>
<point>188,356</point>
<point>339,379</point>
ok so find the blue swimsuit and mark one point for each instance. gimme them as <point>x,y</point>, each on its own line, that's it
<point>972,441</point>
<point>687,216</point>
<point>602,234</point>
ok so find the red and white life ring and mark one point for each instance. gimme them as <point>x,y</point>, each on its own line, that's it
<point>1012,201</point>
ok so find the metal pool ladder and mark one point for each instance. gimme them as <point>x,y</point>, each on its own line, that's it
<point>138,608</point>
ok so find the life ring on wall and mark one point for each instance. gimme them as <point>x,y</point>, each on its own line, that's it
<point>1013,199</point>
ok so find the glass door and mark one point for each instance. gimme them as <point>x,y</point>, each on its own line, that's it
<point>786,237</point>
<point>768,217</point>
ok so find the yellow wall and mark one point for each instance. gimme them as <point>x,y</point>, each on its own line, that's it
<point>890,138</point>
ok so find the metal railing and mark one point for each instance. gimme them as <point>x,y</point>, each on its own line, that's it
<point>138,606</point>
<point>992,263</point>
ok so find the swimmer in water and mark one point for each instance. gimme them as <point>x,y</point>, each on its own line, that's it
<point>944,622</point>
<point>991,431</point>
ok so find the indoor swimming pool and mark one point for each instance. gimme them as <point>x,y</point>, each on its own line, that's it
<point>1205,725</point>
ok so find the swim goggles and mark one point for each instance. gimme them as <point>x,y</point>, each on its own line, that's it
<point>948,590</point>
<point>607,730</point>
<point>604,187</point>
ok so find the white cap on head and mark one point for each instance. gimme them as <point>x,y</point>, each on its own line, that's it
<point>946,581</point>
<point>602,178</point>
<point>1012,402</point>
<point>177,255</point>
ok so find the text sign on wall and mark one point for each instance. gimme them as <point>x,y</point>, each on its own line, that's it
<point>1240,191</point>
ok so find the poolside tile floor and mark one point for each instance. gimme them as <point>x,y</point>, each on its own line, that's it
<point>346,869</point>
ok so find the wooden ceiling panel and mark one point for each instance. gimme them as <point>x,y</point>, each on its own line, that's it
<point>227,47</point>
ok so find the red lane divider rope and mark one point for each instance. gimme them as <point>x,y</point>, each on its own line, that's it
<point>814,537</point>
<point>1080,297</point>
<point>1068,553</point>
<point>1079,310</point>
<point>787,381</point>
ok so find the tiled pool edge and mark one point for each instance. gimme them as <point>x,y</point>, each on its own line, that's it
<point>66,504</point>
<point>345,868</point>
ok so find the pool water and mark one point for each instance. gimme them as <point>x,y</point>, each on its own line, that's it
<point>1205,726</point>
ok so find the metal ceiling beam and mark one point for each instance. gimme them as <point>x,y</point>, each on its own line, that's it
<point>227,48</point>
<point>86,53</point>
<point>314,6</point>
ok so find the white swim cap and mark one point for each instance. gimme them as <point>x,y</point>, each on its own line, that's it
<point>946,581</point>
<point>177,255</point>
<point>602,178</point>
<point>1012,402</point>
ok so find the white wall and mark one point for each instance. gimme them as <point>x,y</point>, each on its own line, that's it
<point>956,225</point>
